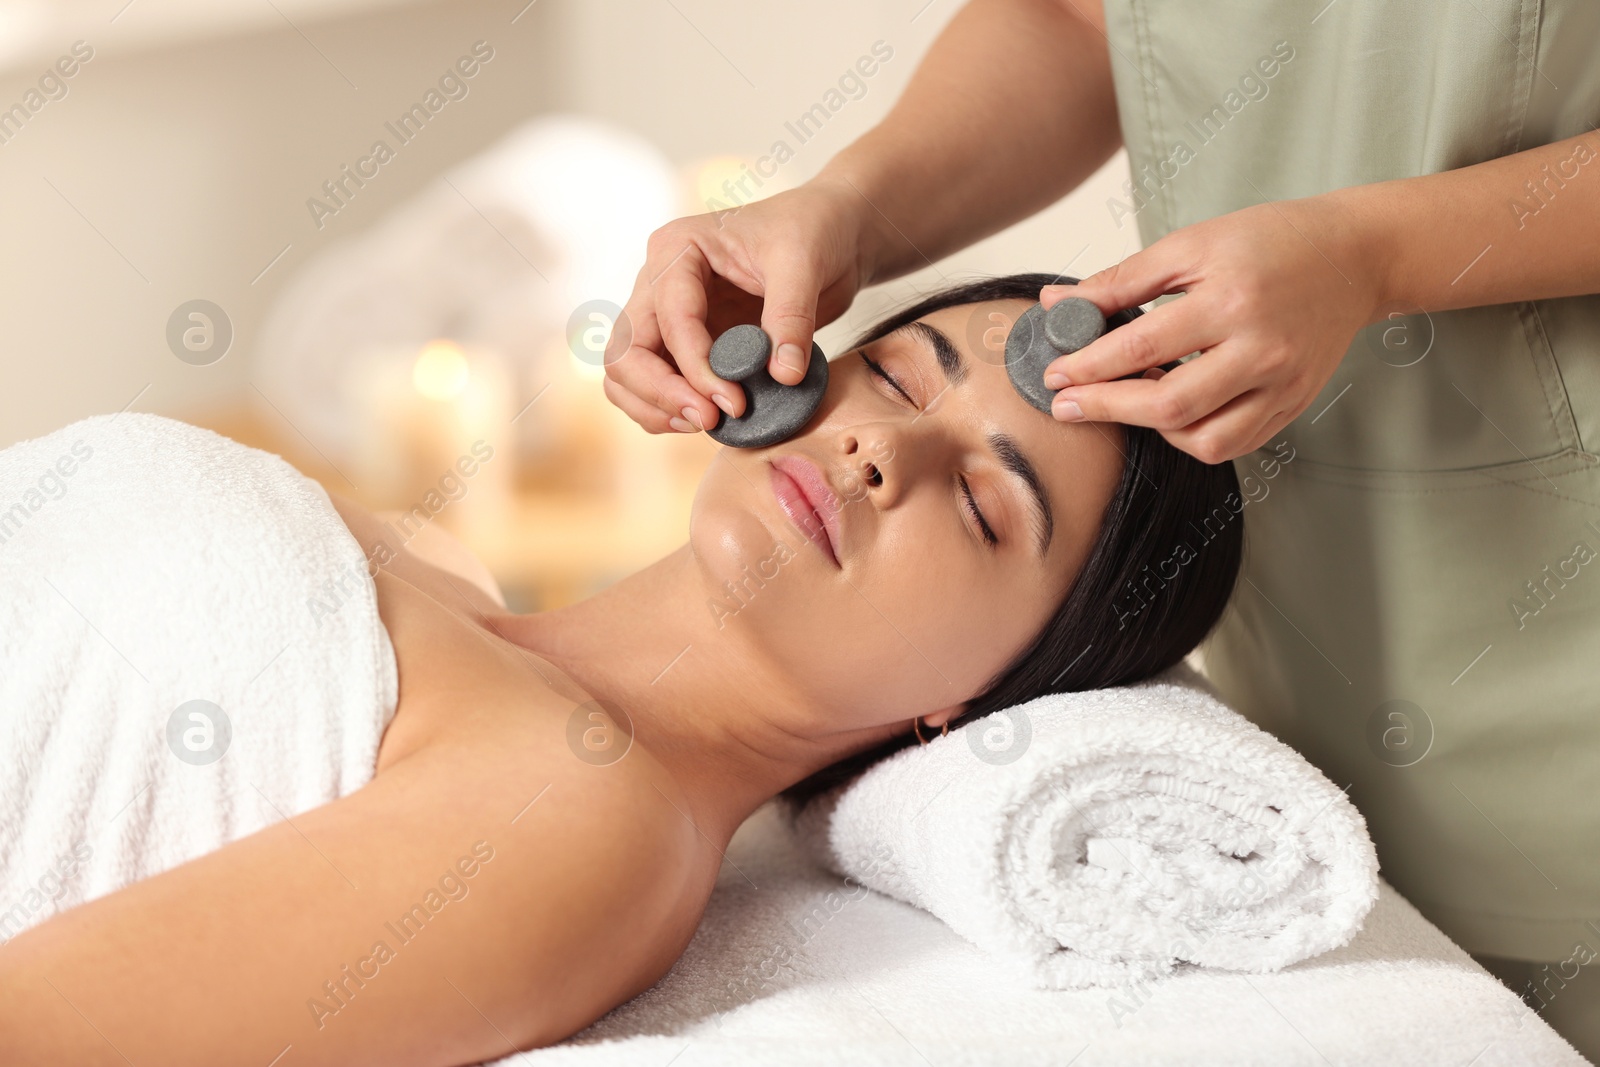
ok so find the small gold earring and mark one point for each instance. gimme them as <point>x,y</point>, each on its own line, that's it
<point>916,728</point>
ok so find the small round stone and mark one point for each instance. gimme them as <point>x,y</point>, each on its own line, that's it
<point>773,411</point>
<point>740,352</point>
<point>1072,324</point>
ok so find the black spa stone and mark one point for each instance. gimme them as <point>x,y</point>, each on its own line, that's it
<point>773,411</point>
<point>1039,338</point>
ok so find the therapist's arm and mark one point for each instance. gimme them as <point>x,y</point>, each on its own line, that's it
<point>1274,294</point>
<point>1480,235</point>
<point>1012,107</point>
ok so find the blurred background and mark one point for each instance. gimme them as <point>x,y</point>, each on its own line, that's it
<point>378,236</point>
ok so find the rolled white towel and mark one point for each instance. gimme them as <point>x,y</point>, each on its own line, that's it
<point>1109,836</point>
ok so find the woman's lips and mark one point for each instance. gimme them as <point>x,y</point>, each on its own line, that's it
<point>803,493</point>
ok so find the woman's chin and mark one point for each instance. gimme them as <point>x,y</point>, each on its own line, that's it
<point>739,558</point>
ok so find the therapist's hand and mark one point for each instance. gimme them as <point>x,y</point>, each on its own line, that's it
<point>1273,296</point>
<point>791,262</point>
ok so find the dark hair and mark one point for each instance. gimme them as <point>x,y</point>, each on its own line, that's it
<point>1124,619</point>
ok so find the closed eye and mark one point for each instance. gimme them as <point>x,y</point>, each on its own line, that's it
<point>972,505</point>
<point>966,490</point>
<point>873,366</point>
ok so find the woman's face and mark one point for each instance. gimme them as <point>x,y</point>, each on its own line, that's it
<point>947,564</point>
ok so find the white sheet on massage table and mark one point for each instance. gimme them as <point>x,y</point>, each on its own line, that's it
<point>880,982</point>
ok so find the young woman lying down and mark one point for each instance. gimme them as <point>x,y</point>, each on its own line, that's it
<point>494,880</point>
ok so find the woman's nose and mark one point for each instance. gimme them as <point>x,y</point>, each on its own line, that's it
<point>884,458</point>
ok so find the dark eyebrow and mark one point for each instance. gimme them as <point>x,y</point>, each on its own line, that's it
<point>953,364</point>
<point>948,356</point>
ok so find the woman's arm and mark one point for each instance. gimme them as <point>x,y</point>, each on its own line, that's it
<point>432,917</point>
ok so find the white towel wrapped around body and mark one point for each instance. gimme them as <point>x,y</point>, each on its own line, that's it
<point>190,650</point>
<point>1109,836</point>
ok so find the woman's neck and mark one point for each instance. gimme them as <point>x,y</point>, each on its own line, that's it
<point>730,727</point>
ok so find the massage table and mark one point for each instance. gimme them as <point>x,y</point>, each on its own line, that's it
<point>792,965</point>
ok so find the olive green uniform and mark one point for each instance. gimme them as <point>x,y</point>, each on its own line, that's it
<point>1419,610</point>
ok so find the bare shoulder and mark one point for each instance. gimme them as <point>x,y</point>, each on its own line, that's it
<point>427,556</point>
<point>606,873</point>
<point>435,545</point>
<point>605,876</point>
<point>603,790</point>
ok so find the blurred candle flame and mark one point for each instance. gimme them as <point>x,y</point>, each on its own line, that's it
<point>441,371</point>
